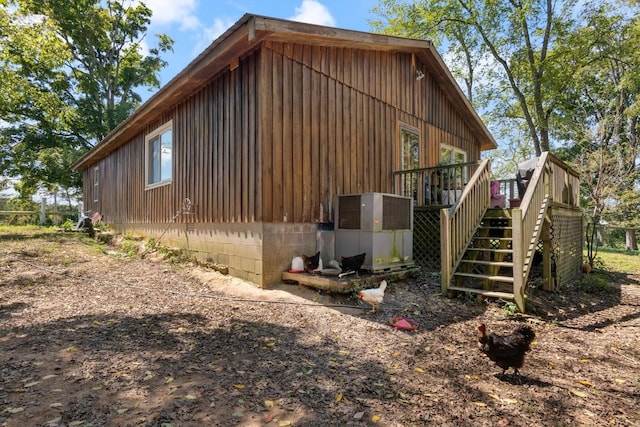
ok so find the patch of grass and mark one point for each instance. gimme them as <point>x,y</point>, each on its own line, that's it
<point>617,260</point>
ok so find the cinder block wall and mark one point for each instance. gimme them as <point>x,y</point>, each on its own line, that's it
<point>255,252</point>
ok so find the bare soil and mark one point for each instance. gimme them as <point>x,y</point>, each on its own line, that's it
<point>90,337</point>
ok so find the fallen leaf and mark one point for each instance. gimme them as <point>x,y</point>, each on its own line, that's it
<point>494,396</point>
<point>49,377</point>
<point>509,400</point>
<point>31,384</point>
<point>358,415</point>
<point>239,386</point>
<point>620,380</point>
<point>585,383</point>
<point>480,404</point>
<point>14,410</point>
<point>375,418</point>
<point>269,404</point>
<point>419,370</point>
<point>55,405</point>
<point>190,397</point>
<point>122,410</point>
<point>339,397</point>
<point>54,422</point>
<point>579,393</point>
<point>584,361</point>
<point>284,423</point>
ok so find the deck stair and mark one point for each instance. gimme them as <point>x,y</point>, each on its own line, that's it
<point>488,261</point>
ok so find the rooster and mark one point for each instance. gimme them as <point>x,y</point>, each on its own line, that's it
<point>374,296</point>
<point>507,351</point>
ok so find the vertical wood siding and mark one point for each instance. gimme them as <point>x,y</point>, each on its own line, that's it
<point>331,123</point>
<point>278,137</point>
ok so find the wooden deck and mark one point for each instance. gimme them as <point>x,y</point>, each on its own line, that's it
<point>348,284</point>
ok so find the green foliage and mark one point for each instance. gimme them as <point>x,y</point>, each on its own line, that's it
<point>595,283</point>
<point>500,49</point>
<point>68,225</point>
<point>70,72</point>
<point>509,308</point>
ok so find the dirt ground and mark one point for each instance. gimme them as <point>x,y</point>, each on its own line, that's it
<point>89,337</point>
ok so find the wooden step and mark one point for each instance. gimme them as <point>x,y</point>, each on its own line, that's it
<point>493,278</point>
<point>493,294</point>
<point>498,251</point>
<point>491,263</point>
<point>495,227</point>
<point>493,238</point>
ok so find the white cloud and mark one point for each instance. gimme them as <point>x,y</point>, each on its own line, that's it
<point>209,34</point>
<point>166,12</point>
<point>314,12</point>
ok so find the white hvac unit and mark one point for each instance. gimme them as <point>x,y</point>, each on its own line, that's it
<point>379,224</point>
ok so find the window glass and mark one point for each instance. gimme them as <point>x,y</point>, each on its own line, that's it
<point>160,155</point>
<point>450,155</point>
<point>96,183</point>
<point>410,146</point>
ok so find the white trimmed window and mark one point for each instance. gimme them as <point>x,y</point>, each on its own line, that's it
<point>451,155</point>
<point>159,155</point>
<point>96,183</point>
<point>409,148</point>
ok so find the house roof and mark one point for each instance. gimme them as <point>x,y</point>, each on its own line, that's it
<point>247,34</point>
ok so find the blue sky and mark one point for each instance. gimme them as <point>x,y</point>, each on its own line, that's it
<point>194,24</point>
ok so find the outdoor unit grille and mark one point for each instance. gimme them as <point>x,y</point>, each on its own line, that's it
<point>379,224</point>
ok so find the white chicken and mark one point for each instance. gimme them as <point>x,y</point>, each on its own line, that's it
<point>374,296</point>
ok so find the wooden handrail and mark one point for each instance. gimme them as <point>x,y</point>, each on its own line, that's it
<point>459,222</point>
<point>527,226</point>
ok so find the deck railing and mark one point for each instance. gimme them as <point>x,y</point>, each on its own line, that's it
<point>439,185</point>
<point>458,223</point>
<point>527,226</point>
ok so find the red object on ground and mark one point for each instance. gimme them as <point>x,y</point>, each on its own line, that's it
<point>403,324</point>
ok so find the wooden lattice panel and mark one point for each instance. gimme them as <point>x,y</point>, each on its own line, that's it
<point>426,238</point>
<point>566,240</point>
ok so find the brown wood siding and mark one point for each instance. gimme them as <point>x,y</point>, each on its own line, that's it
<point>278,137</point>
<point>215,159</point>
<point>330,124</point>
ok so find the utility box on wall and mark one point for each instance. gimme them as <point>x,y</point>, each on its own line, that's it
<point>379,224</point>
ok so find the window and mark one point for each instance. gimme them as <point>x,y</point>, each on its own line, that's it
<point>409,159</point>
<point>453,156</point>
<point>450,155</point>
<point>159,155</point>
<point>96,182</point>
<point>410,148</point>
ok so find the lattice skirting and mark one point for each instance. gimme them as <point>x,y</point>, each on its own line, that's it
<point>426,238</point>
<point>566,241</point>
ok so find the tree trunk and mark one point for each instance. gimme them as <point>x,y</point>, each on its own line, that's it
<point>632,242</point>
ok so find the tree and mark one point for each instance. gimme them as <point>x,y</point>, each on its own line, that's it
<point>73,69</point>
<point>566,70</point>
<point>600,121</point>
<point>507,41</point>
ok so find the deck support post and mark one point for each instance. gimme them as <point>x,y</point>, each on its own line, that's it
<point>518,259</point>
